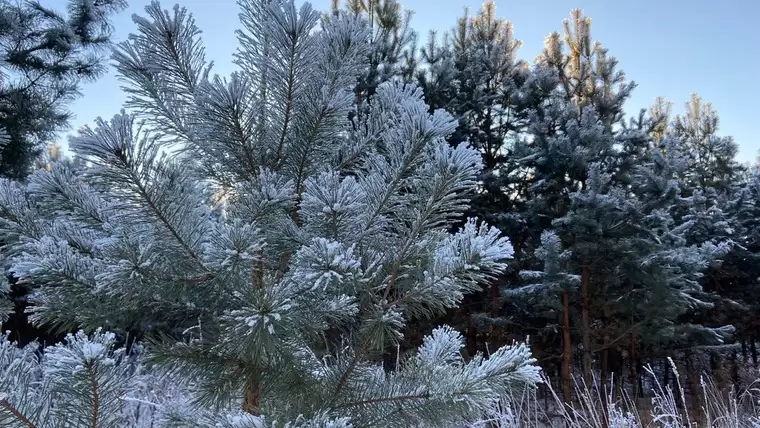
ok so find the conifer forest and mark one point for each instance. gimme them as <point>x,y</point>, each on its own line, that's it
<point>364,226</point>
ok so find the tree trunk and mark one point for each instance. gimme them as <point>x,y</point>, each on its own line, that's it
<point>495,335</point>
<point>666,374</point>
<point>692,375</point>
<point>471,338</point>
<point>735,380</point>
<point>604,380</point>
<point>585,326</point>
<point>677,387</point>
<point>617,370</point>
<point>605,367</point>
<point>633,361</point>
<point>753,349</point>
<point>252,388</point>
<point>252,395</point>
<point>567,348</point>
<point>606,364</point>
<point>495,299</point>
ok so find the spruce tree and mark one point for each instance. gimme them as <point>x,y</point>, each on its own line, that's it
<point>274,250</point>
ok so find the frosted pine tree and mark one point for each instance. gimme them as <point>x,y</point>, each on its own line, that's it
<point>474,73</point>
<point>712,158</point>
<point>273,251</point>
<point>81,382</point>
<point>393,44</point>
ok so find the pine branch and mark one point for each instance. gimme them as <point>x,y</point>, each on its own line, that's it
<point>343,381</point>
<point>162,218</point>
<point>4,403</point>
<point>92,375</point>
<point>400,398</point>
<point>288,105</point>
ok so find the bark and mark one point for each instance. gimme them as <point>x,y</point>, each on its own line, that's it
<point>495,332</point>
<point>692,377</point>
<point>633,375</point>
<point>252,395</point>
<point>495,300</point>
<point>471,333</point>
<point>605,368</point>
<point>606,364</point>
<point>753,350</point>
<point>567,349</point>
<point>585,325</point>
<point>735,380</point>
<point>666,374</point>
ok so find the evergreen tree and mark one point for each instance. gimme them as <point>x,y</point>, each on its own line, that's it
<point>741,279</point>
<point>392,49</point>
<point>45,55</point>
<point>712,158</point>
<point>474,73</point>
<point>711,185</point>
<point>79,383</point>
<point>278,252</point>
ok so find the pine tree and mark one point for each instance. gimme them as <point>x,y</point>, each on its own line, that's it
<point>45,55</point>
<point>574,132</point>
<point>80,383</point>
<point>275,250</point>
<point>474,73</point>
<point>711,182</point>
<point>392,50</point>
<point>712,158</point>
<point>742,267</point>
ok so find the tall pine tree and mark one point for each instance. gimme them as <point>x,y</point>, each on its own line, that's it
<point>44,58</point>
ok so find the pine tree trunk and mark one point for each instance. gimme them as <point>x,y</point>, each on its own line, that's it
<point>735,380</point>
<point>604,379</point>
<point>753,349</point>
<point>666,374</point>
<point>471,333</point>
<point>495,300</point>
<point>633,360</point>
<point>252,395</point>
<point>606,364</point>
<point>745,354</point>
<point>471,339</point>
<point>677,387</point>
<point>567,351</point>
<point>605,367</point>
<point>495,331</point>
<point>252,388</point>
<point>692,374</point>
<point>585,326</point>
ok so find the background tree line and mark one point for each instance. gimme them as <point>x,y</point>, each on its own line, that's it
<point>635,233</point>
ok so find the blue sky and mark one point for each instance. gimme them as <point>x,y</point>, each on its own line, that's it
<point>670,48</point>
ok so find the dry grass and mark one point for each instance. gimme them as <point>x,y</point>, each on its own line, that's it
<point>592,408</point>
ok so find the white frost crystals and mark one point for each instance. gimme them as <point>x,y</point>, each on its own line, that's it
<point>80,382</point>
<point>292,243</point>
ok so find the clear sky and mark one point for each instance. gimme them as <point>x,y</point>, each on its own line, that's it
<point>670,48</point>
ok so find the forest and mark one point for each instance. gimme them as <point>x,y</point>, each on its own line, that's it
<point>365,226</point>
